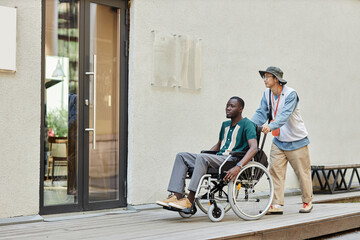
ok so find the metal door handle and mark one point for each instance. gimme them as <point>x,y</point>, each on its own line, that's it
<point>94,104</point>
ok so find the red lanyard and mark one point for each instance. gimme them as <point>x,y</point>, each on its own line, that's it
<point>273,101</point>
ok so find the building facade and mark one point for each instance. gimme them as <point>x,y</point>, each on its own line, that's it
<point>105,93</point>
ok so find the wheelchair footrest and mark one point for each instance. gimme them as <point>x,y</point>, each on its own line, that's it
<point>191,210</point>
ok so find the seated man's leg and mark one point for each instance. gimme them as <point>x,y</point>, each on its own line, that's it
<point>202,162</point>
<point>183,162</point>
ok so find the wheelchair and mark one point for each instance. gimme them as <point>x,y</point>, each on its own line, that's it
<point>249,195</point>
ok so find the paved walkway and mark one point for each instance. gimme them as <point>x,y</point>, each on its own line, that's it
<point>157,223</point>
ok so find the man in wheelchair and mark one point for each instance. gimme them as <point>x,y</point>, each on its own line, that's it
<point>236,134</point>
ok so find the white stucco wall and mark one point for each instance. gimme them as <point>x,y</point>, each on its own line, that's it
<point>316,44</point>
<point>20,96</point>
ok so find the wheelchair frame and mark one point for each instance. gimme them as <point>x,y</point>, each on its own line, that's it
<point>241,196</point>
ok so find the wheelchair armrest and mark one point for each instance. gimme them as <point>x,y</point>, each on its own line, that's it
<point>209,152</point>
<point>238,154</point>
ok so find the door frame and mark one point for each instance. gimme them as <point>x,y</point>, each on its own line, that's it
<point>82,204</point>
<point>123,104</point>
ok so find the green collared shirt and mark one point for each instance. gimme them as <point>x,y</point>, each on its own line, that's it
<point>235,138</point>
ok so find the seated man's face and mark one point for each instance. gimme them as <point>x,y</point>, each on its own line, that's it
<point>233,108</point>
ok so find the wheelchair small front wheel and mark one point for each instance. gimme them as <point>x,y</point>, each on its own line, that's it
<point>216,213</point>
<point>220,195</point>
<point>188,212</point>
<point>185,215</point>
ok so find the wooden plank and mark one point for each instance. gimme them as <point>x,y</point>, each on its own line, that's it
<point>305,230</point>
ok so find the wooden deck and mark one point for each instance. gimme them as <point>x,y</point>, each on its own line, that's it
<point>157,223</point>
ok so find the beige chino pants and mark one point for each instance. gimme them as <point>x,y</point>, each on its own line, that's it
<point>300,161</point>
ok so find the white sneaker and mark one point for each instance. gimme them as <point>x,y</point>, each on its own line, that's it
<point>307,207</point>
<point>275,209</point>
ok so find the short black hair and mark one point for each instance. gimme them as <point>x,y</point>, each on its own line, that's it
<point>240,101</point>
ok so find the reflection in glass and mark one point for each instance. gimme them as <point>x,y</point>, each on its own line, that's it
<point>61,91</point>
<point>104,159</point>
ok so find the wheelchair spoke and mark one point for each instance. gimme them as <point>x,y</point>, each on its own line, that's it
<point>251,194</point>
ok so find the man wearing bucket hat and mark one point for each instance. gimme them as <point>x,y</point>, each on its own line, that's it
<point>280,107</point>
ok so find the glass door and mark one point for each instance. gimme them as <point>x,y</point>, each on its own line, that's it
<point>103,187</point>
<point>84,150</point>
<point>61,51</point>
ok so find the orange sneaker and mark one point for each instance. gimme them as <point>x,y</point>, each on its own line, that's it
<point>165,203</point>
<point>181,204</point>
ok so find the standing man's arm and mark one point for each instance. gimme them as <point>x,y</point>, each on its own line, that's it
<point>289,106</point>
<point>262,113</point>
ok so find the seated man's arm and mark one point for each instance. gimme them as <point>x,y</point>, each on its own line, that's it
<point>250,153</point>
<point>216,147</point>
<point>233,172</point>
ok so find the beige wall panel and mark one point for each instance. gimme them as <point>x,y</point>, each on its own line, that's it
<point>315,43</point>
<point>20,116</point>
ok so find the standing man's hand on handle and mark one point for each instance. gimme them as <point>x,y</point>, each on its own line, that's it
<point>266,129</point>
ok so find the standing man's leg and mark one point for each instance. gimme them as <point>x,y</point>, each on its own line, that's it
<point>278,164</point>
<point>300,161</point>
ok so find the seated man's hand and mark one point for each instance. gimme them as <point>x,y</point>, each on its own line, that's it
<point>232,173</point>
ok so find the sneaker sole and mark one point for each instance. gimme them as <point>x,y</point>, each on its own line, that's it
<point>176,206</point>
<point>162,204</point>
<point>274,213</point>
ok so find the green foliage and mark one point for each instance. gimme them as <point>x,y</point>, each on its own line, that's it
<point>57,120</point>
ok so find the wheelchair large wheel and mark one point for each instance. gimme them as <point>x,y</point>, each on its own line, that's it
<point>220,196</point>
<point>251,194</point>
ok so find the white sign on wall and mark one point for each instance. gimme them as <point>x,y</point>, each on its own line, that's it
<point>176,61</point>
<point>8,39</point>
